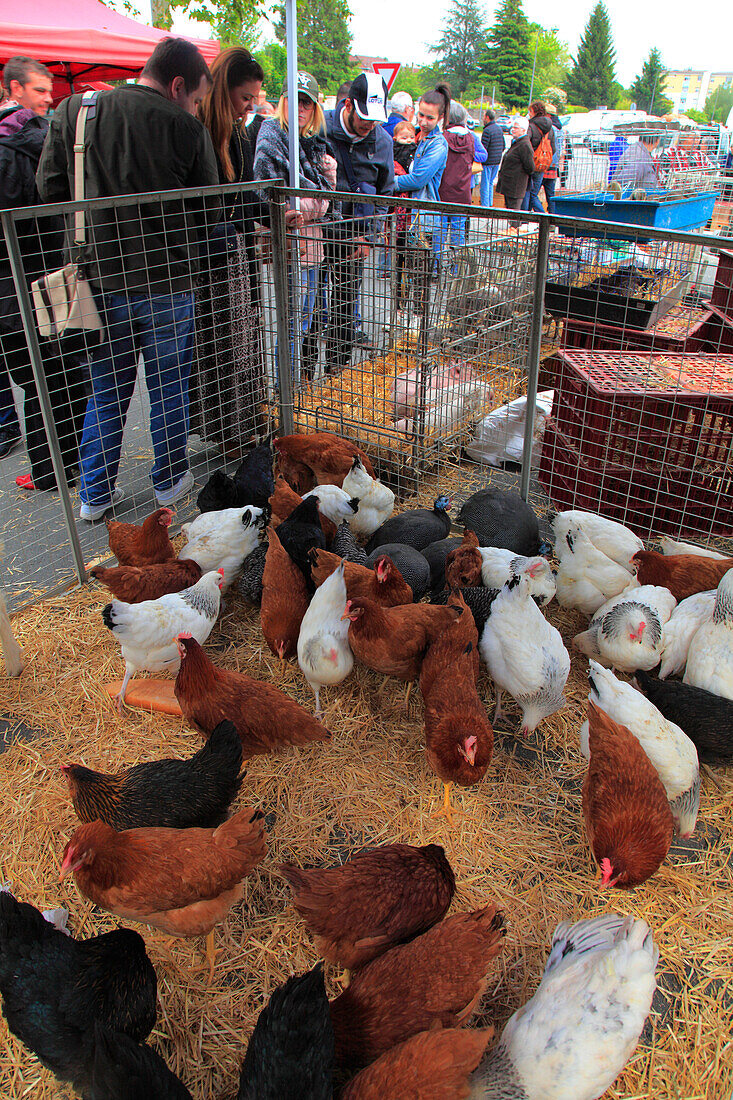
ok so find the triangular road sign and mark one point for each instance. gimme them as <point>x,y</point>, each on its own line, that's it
<point>387,70</point>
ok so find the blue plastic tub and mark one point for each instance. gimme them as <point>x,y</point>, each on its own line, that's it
<point>655,211</point>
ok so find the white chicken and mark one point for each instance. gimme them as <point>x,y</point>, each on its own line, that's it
<point>670,750</point>
<point>626,632</point>
<point>680,628</point>
<point>525,654</point>
<point>376,501</point>
<point>573,1038</point>
<point>324,654</point>
<point>147,631</point>
<point>669,546</point>
<point>586,577</point>
<point>498,565</point>
<point>710,656</point>
<point>611,538</point>
<point>223,539</point>
<point>335,504</point>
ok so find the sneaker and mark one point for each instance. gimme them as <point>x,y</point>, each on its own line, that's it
<point>91,512</point>
<point>9,438</point>
<point>182,486</point>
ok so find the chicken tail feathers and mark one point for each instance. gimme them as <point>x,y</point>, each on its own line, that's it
<point>223,746</point>
<point>108,616</point>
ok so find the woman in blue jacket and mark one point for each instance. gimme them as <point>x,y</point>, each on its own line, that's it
<point>423,180</point>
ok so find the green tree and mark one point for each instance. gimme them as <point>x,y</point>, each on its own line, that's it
<point>718,104</point>
<point>232,22</point>
<point>508,61</point>
<point>463,41</point>
<point>553,57</point>
<point>647,91</point>
<point>412,81</point>
<point>324,40</point>
<point>274,61</point>
<point>591,80</point>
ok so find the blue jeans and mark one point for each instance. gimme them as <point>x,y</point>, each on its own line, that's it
<point>455,224</point>
<point>488,175</point>
<point>549,186</point>
<point>8,414</point>
<point>161,328</point>
<point>531,200</point>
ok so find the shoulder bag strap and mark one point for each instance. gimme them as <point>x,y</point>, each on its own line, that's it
<point>88,101</point>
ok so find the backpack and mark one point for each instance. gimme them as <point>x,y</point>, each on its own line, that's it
<point>543,154</point>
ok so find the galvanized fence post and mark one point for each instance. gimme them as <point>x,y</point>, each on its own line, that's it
<point>278,205</point>
<point>535,348</point>
<point>34,352</point>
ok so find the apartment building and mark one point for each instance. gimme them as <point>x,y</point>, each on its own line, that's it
<point>689,88</point>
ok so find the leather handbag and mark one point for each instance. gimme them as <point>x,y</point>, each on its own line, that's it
<point>63,300</point>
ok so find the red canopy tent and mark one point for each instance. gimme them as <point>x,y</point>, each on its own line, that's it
<point>81,41</point>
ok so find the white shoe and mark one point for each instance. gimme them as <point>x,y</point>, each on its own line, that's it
<point>90,512</point>
<point>182,486</point>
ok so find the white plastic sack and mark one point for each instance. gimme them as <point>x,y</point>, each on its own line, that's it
<point>500,435</point>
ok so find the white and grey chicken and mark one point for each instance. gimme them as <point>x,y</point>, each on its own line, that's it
<point>670,750</point>
<point>586,577</point>
<point>613,539</point>
<point>525,654</point>
<point>335,504</point>
<point>223,539</point>
<point>376,500</point>
<point>626,632</point>
<point>710,656</point>
<point>680,628</point>
<point>324,654</point>
<point>499,564</point>
<point>669,546</point>
<point>147,631</point>
<point>576,1034</point>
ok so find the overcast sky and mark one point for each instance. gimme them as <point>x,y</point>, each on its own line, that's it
<point>402,31</point>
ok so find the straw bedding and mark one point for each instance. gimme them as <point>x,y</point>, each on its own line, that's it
<point>521,842</point>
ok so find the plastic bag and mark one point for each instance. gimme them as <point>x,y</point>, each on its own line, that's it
<point>499,436</point>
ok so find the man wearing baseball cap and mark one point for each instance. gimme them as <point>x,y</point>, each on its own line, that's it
<point>365,158</point>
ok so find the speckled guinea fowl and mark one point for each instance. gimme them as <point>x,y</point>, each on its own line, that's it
<point>416,527</point>
<point>478,599</point>
<point>503,519</point>
<point>435,555</point>
<point>411,564</point>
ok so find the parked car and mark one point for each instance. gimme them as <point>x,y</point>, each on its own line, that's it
<point>505,122</point>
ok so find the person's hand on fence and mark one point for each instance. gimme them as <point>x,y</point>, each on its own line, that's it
<point>361,251</point>
<point>294,219</point>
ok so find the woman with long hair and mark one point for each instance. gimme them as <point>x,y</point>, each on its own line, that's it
<point>317,172</point>
<point>228,386</point>
<point>423,179</point>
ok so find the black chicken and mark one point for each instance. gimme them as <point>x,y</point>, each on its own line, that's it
<point>417,527</point>
<point>292,1049</point>
<point>54,988</point>
<point>253,477</point>
<point>707,719</point>
<point>174,794</point>
<point>219,492</point>
<point>124,1070</point>
<point>249,582</point>
<point>299,533</point>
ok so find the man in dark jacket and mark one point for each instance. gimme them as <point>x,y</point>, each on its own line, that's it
<point>23,128</point>
<point>141,259</point>
<point>364,155</point>
<point>516,167</point>
<point>492,140</point>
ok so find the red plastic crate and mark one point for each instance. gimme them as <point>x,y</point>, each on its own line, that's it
<point>716,334</point>
<point>651,500</point>
<point>624,407</point>
<point>587,336</point>
<point>722,297</point>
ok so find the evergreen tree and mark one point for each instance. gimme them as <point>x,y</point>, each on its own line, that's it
<point>591,80</point>
<point>647,91</point>
<point>553,58</point>
<point>508,60</point>
<point>324,40</point>
<point>718,104</point>
<point>462,44</point>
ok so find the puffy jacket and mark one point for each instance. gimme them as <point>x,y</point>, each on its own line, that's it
<point>492,140</point>
<point>516,168</point>
<point>455,184</point>
<point>427,168</point>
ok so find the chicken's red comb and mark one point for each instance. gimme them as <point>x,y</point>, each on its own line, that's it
<point>184,634</point>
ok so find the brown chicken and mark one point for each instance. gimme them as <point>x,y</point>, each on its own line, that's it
<point>135,583</point>
<point>463,565</point>
<point>436,980</point>
<point>284,599</point>
<point>393,640</point>
<point>183,881</point>
<point>682,574</point>
<point>433,1065</point>
<point>318,458</point>
<point>384,583</point>
<point>285,500</point>
<point>459,739</point>
<point>147,544</point>
<point>381,897</point>
<point>266,719</point>
<point>627,815</point>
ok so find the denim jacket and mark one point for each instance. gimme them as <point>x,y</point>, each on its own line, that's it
<point>427,168</point>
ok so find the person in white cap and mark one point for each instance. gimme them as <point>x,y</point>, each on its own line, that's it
<point>365,157</point>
